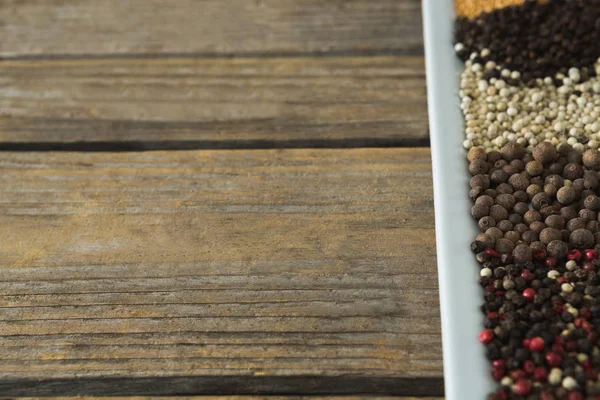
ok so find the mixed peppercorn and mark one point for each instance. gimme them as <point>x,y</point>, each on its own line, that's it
<point>531,100</point>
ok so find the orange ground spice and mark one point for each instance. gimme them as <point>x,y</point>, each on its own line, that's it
<point>472,8</point>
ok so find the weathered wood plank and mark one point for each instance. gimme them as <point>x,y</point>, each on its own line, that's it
<point>215,102</point>
<point>242,270</point>
<point>73,27</point>
<point>249,398</point>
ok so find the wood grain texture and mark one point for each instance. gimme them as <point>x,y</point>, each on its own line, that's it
<point>272,270</point>
<point>75,27</point>
<point>247,398</point>
<point>215,102</point>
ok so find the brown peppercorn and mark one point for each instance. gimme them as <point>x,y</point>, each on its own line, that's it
<point>520,208</point>
<point>568,212</point>
<point>555,221</point>
<point>564,149</point>
<point>504,225</point>
<point>546,211</point>
<point>532,190</point>
<point>487,241</point>
<point>572,171</point>
<point>554,169</point>
<point>587,215</point>
<point>518,182</point>
<point>506,200</point>
<point>545,152</point>
<point>497,212</point>
<point>537,246</point>
<point>485,201</point>
<point>581,238</point>
<point>529,237</point>
<point>513,236</point>
<point>475,193</point>
<point>500,164</point>
<point>592,226</point>
<point>537,180</point>
<point>481,180</point>
<point>556,180</point>
<point>512,151</point>
<point>579,185</point>
<point>565,233</point>
<point>537,226</point>
<point>566,195</point>
<point>490,192</point>
<point>486,222</point>
<point>540,200</point>
<point>597,237</point>
<point>557,249</point>
<point>479,211</point>
<point>522,254</point>
<point>591,203</point>
<point>521,228</point>
<point>494,233</point>
<point>504,188</point>
<point>477,167</point>
<point>515,218</point>
<point>534,168</point>
<point>550,234</point>
<point>575,157</point>
<point>493,156</point>
<point>476,153</point>
<point>520,196</point>
<point>591,159</point>
<point>590,182</point>
<point>576,223</point>
<point>504,246</point>
<point>532,216</point>
<point>498,176</point>
<point>518,164</point>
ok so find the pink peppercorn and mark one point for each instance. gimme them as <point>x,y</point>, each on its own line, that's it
<point>529,366</point>
<point>499,363</point>
<point>576,396</point>
<point>529,294</point>
<point>550,262</point>
<point>527,275</point>
<point>522,387</point>
<point>574,255</point>
<point>553,359</point>
<point>547,396</point>
<point>486,336</point>
<point>491,252</point>
<point>591,254</point>
<point>540,374</point>
<point>539,254</point>
<point>536,344</point>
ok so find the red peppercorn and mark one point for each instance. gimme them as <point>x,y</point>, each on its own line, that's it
<point>517,374</point>
<point>498,293</point>
<point>574,255</point>
<point>486,336</point>
<point>529,294</point>
<point>492,315</point>
<point>522,387</point>
<point>491,252</point>
<point>589,267</point>
<point>577,322</point>
<point>499,363</point>
<point>489,288</point>
<point>540,374</point>
<point>562,279</point>
<point>585,313</point>
<point>570,345</point>
<point>553,359</point>
<point>591,254</point>
<point>536,344</point>
<point>547,396</point>
<point>500,395</point>
<point>550,262</point>
<point>586,364</point>
<point>497,374</point>
<point>525,343</point>
<point>539,254</point>
<point>591,374</point>
<point>575,396</point>
<point>592,336</point>
<point>527,275</point>
<point>586,326</point>
<point>529,366</point>
<point>557,348</point>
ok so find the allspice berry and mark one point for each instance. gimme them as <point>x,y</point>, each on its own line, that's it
<point>537,226</point>
<point>497,212</point>
<point>485,201</point>
<point>486,222</point>
<point>566,195</point>
<point>520,208</point>
<point>555,221</point>
<point>512,151</point>
<point>581,238</point>
<point>518,182</point>
<point>556,180</point>
<point>521,228</point>
<point>572,171</point>
<point>532,190</point>
<point>576,223</point>
<point>490,192</point>
<point>487,241</point>
<point>568,213</point>
<point>545,152</point>
<point>550,190</point>
<point>590,182</point>
<point>591,159</point>
<point>592,226</point>
<point>587,215</point>
<point>504,246</point>
<point>522,253</point>
<point>529,237</point>
<point>557,249</point>
<point>504,188</point>
<point>480,180</point>
<point>498,176</point>
<point>540,200</point>
<point>478,167</point>
<point>592,203</point>
<point>493,156</point>
<point>476,153</point>
<point>494,233</point>
<point>520,196</point>
<point>479,211</point>
<point>534,168</point>
<point>550,234</point>
<point>515,218</point>
<point>597,238</point>
<point>504,225</point>
<point>506,200</point>
<point>513,236</point>
<point>532,216</point>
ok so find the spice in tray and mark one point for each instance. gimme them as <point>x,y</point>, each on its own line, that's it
<point>472,8</point>
<point>530,96</point>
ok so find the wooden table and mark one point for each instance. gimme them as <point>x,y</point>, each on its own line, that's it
<point>278,239</point>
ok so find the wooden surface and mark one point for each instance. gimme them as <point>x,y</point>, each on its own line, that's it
<point>215,103</point>
<point>260,249</point>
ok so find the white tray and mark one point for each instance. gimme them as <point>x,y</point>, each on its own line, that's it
<point>466,370</point>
